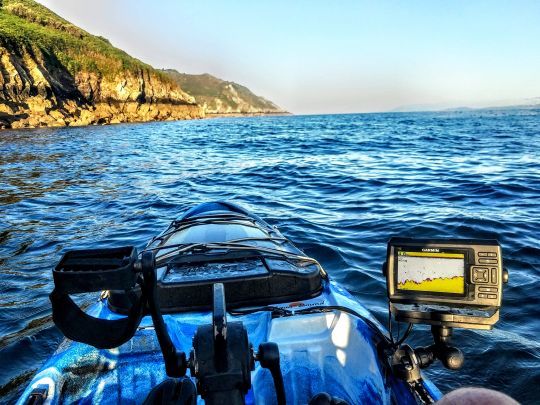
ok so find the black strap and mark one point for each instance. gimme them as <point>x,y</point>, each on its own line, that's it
<point>76,325</point>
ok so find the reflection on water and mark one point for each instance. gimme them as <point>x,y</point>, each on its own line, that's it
<point>339,186</point>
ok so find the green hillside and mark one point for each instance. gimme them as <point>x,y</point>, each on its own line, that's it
<point>222,97</point>
<point>27,24</point>
<point>54,73</point>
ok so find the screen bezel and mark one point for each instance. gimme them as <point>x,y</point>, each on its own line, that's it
<point>430,294</point>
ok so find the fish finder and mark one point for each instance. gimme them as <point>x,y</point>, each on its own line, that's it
<point>445,282</point>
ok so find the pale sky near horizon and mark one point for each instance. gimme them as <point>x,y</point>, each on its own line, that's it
<point>333,57</point>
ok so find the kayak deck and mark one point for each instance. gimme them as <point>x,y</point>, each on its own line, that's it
<point>332,352</point>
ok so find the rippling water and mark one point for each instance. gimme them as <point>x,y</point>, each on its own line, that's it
<point>338,185</point>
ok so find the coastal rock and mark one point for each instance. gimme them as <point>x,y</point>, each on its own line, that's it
<point>53,73</point>
<point>34,95</point>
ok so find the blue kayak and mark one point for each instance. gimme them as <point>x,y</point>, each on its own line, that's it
<point>328,342</point>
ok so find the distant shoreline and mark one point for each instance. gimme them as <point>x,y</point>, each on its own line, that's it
<point>254,114</point>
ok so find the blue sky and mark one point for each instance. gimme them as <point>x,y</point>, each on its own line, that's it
<point>331,57</point>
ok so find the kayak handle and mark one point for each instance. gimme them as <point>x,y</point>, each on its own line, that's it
<point>94,270</point>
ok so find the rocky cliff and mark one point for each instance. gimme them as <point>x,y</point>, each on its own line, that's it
<point>53,73</point>
<point>218,96</point>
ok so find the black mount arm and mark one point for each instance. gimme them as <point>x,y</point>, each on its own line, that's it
<point>219,325</point>
<point>451,357</point>
<point>219,314</point>
<point>268,357</point>
<point>222,358</point>
<point>175,361</point>
<point>406,362</point>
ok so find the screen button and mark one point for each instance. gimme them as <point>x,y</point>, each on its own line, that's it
<point>482,295</point>
<point>488,261</point>
<point>488,289</point>
<point>480,275</point>
<point>492,296</point>
<point>494,275</point>
<point>487,254</point>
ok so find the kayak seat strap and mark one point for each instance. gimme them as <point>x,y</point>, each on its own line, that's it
<point>76,325</point>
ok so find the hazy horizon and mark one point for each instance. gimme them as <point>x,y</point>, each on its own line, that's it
<point>317,58</point>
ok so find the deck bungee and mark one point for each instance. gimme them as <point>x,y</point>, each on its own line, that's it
<point>222,308</point>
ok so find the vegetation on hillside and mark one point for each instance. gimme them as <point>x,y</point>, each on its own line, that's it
<point>55,73</point>
<point>210,90</point>
<point>27,25</point>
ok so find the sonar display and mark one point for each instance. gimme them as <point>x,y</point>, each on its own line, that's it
<point>431,272</point>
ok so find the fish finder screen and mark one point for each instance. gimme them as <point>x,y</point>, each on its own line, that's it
<point>431,272</point>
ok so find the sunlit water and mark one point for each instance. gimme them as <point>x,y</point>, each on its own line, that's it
<point>339,186</point>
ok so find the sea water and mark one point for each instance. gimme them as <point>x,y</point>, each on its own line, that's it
<point>338,185</point>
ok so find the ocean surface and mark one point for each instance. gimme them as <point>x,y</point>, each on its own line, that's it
<point>337,185</point>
